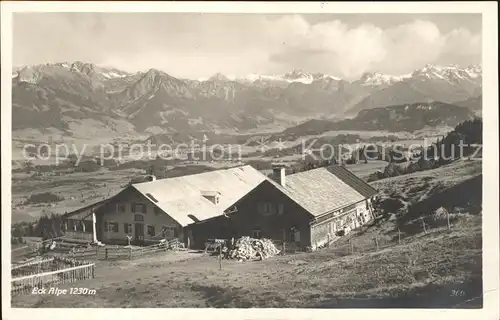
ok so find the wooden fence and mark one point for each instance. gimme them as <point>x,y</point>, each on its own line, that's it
<point>122,252</point>
<point>24,284</point>
<point>30,250</point>
<point>288,247</point>
<point>88,236</point>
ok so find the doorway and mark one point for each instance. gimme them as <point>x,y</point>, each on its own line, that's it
<point>139,232</point>
<point>294,235</point>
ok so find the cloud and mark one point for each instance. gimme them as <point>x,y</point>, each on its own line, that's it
<point>352,51</point>
<point>199,45</point>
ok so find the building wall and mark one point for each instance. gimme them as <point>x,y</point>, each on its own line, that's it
<point>111,213</point>
<point>79,225</point>
<point>353,216</point>
<point>251,217</point>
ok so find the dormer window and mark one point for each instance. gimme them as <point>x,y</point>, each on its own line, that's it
<point>212,196</point>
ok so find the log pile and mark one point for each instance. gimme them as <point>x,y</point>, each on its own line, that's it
<point>247,248</point>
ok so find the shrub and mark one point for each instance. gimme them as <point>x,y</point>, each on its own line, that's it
<point>390,205</point>
<point>45,197</point>
<point>440,214</point>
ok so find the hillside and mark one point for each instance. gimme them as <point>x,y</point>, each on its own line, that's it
<point>71,100</point>
<point>396,118</point>
<point>474,103</point>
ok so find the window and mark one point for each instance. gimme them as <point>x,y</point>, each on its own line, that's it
<point>112,226</point>
<point>138,217</point>
<point>348,219</point>
<point>157,211</point>
<point>266,208</point>
<point>169,232</point>
<point>120,207</point>
<point>127,228</point>
<point>338,224</point>
<point>361,219</point>
<point>281,208</point>
<point>138,207</point>
<point>256,233</point>
<point>151,231</point>
<point>88,225</point>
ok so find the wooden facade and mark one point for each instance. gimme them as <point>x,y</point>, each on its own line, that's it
<point>264,212</point>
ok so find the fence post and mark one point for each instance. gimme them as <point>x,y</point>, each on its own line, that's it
<point>220,257</point>
<point>423,225</point>
<point>376,241</point>
<point>350,246</point>
<point>399,236</point>
<point>448,219</point>
<point>106,254</point>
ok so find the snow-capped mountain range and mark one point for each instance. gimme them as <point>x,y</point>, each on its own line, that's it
<point>429,71</point>
<point>66,96</point>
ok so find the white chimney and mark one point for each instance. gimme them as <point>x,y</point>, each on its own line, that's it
<point>279,174</point>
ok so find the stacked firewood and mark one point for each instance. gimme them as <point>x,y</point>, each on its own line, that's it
<point>247,248</point>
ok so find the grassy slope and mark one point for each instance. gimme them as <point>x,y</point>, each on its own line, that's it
<point>420,271</point>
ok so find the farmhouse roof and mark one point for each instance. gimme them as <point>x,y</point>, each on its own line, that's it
<point>326,189</point>
<point>318,191</point>
<point>85,212</point>
<point>182,197</point>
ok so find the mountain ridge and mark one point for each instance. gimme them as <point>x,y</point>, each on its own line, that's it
<point>65,95</point>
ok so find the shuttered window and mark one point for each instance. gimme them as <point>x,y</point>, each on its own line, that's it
<point>113,226</point>
<point>266,208</point>
<point>127,228</point>
<point>151,231</point>
<point>138,207</point>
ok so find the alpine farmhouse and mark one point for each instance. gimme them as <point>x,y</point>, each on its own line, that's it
<point>308,208</point>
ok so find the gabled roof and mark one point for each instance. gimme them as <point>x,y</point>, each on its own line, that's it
<point>182,197</point>
<point>326,189</point>
<point>83,213</point>
<point>318,191</point>
<point>353,181</point>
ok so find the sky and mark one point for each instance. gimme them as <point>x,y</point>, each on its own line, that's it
<point>197,45</point>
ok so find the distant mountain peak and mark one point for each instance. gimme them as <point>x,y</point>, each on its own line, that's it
<point>219,77</point>
<point>297,74</point>
<point>450,73</point>
<point>376,78</point>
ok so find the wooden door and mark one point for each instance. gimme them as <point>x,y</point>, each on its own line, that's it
<point>139,232</point>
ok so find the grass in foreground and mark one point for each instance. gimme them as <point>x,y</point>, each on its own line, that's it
<point>439,269</point>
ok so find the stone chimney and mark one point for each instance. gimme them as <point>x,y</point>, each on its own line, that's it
<point>279,174</point>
